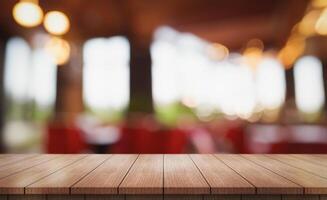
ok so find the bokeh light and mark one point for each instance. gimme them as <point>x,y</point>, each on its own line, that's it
<point>252,56</point>
<point>293,49</point>
<point>307,25</point>
<point>56,22</point>
<point>319,3</point>
<point>27,14</point>
<point>321,25</point>
<point>309,84</point>
<point>218,51</point>
<point>59,49</point>
<point>271,85</point>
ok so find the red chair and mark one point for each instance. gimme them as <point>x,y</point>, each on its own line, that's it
<point>64,139</point>
<point>142,140</point>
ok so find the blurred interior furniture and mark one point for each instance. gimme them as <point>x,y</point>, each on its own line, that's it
<point>64,139</point>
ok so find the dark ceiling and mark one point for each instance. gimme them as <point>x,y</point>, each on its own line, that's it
<point>230,22</point>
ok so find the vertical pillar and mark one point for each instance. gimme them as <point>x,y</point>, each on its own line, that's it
<point>2,95</point>
<point>324,71</point>
<point>69,99</point>
<point>140,77</point>
<point>290,92</point>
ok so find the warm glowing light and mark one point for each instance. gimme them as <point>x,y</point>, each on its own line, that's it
<point>218,51</point>
<point>307,25</point>
<point>321,25</point>
<point>27,14</point>
<point>252,56</point>
<point>255,43</point>
<point>293,49</point>
<point>56,22</point>
<point>59,49</point>
<point>319,3</point>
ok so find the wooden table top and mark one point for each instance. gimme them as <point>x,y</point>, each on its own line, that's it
<point>191,174</point>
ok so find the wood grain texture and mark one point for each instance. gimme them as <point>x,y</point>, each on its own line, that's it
<point>61,181</point>
<point>317,159</point>
<point>65,197</point>
<point>106,178</point>
<point>265,181</point>
<point>221,178</point>
<point>104,197</point>
<point>13,158</point>
<point>136,177</point>
<point>323,197</point>
<point>312,184</point>
<point>23,164</point>
<point>26,197</point>
<point>181,176</point>
<point>145,176</point>
<point>144,197</point>
<point>319,170</point>
<point>222,197</point>
<point>261,197</point>
<point>300,197</point>
<point>183,197</point>
<point>16,183</point>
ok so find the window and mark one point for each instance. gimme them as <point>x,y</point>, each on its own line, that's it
<point>30,90</point>
<point>271,86</point>
<point>309,85</point>
<point>17,69</point>
<point>30,80</point>
<point>106,74</point>
<point>184,74</point>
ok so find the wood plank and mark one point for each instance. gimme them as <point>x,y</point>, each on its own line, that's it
<point>312,184</point>
<point>181,176</point>
<point>16,183</point>
<point>261,197</point>
<point>264,180</point>
<point>144,197</point>
<point>65,197</point>
<point>183,197</point>
<point>13,158</point>
<point>145,176</point>
<point>308,166</point>
<point>24,164</point>
<point>221,178</point>
<point>222,197</point>
<point>323,197</point>
<point>26,197</point>
<point>320,160</point>
<point>104,197</point>
<point>61,181</point>
<point>106,178</point>
<point>300,197</point>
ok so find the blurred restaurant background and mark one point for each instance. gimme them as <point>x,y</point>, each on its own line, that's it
<point>163,76</point>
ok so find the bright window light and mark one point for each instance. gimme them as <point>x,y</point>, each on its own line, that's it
<point>177,67</point>
<point>309,85</point>
<point>106,73</point>
<point>164,77</point>
<point>43,79</point>
<point>183,71</point>
<point>30,75</point>
<point>270,81</point>
<point>17,69</point>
